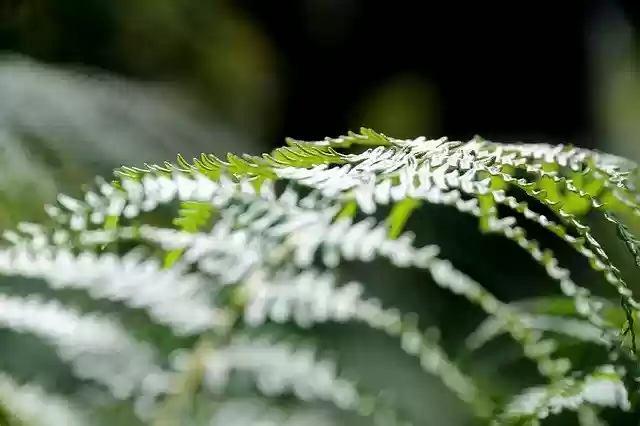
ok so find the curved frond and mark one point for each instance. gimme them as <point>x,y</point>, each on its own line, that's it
<point>132,280</point>
<point>98,348</point>
<point>30,405</point>
<point>279,368</point>
<point>603,388</point>
<point>311,297</point>
<point>253,412</point>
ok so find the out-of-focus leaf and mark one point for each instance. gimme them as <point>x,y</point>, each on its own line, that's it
<point>550,314</point>
<point>58,128</point>
<point>100,119</point>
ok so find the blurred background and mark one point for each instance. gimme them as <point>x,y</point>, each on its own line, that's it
<point>88,85</point>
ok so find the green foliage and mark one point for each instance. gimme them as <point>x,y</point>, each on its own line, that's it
<point>172,317</point>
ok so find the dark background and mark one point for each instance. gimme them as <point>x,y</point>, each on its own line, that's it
<point>504,70</point>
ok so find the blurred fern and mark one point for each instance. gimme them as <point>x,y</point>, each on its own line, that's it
<point>201,319</point>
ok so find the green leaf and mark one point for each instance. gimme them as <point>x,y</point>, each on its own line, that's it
<point>399,215</point>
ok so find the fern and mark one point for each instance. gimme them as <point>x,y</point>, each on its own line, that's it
<point>252,257</point>
<point>31,405</point>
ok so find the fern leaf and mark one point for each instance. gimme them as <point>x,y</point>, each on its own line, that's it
<point>280,368</point>
<point>132,280</point>
<point>631,242</point>
<point>443,177</point>
<point>98,348</point>
<point>603,388</point>
<point>30,405</point>
<point>588,416</point>
<point>272,256</point>
<point>338,241</point>
<point>249,412</point>
<point>191,217</point>
<point>297,155</point>
<point>570,327</point>
<point>311,297</point>
<point>366,137</point>
<point>592,249</point>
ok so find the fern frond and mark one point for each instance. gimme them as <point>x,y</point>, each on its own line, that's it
<point>365,241</point>
<point>366,137</point>
<point>588,246</point>
<point>444,177</point>
<point>300,228</point>
<point>575,328</point>
<point>279,368</point>
<point>424,184</point>
<point>30,405</point>
<point>431,174</point>
<point>631,241</point>
<point>308,231</point>
<point>312,297</point>
<point>559,317</point>
<point>184,305</point>
<point>252,412</point>
<point>588,416</point>
<point>191,217</point>
<point>295,155</point>
<point>563,155</point>
<point>602,388</point>
<point>272,256</point>
<point>98,348</point>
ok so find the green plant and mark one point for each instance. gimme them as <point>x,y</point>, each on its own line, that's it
<point>162,319</point>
